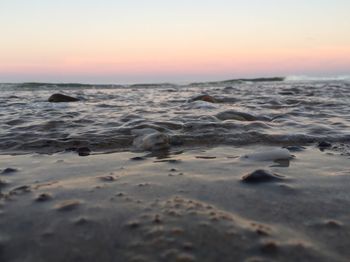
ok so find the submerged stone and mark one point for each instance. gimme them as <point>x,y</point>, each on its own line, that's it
<point>260,176</point>
<point>236,115</point>
<point>57,98</point>
<point>151,142</point>
<point>205,98</point>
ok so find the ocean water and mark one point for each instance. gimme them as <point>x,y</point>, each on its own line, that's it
<point>272,113</point>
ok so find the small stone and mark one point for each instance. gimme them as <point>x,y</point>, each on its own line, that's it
<point>324,144</point>
<point>260,176</point>
<point>269,247</point>
<point>81,221</point>
<point>133,224</point>
<point>57,98</point>
<point>68,205</point>
<point>137,158</point>
<point>206,157</point>
<point>333,224</point>
<point>157,219</point>
<point>83,151</point>
<point>185,258</point>
<point>236,115</point>
<point>205,98</point>
<point>262,232</point>
<point>294,148</point>
<point>107,178</point>
<point>43,197</point>
<point>171,161</point>
<point>9,170</point>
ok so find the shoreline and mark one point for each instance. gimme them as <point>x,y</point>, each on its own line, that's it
<point>191,206</point>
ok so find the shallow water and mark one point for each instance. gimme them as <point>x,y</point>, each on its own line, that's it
<point>280,113</point>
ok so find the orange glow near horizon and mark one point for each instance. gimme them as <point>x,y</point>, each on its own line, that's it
<point>173,40</point>
<point>243,61</point>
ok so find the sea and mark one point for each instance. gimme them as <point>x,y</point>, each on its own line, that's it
<point>266,111</point>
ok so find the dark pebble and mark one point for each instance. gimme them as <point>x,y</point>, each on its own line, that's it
<point>133,224</point>
<point>107,178</point>
<point>206,157</point>
<point>171,161</point>
<point>81,221</point>
<point>206,98</point>
<point>270,247</point>
<point>260,176</point>
<point>324,144</point>
<point>83,151</point>
<point>43,197</point>
<point>295,148</point>
<point>9,170</point>
<point>286,93</point>
<point>137,158</point>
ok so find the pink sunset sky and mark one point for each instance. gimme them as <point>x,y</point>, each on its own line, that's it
<point>156,41</point>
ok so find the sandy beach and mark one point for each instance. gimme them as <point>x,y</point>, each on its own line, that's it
<point>182,205</point>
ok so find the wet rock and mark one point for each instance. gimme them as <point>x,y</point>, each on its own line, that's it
<point>286,93</point>
<point>236,115</point>
<point>68,205</point>
<point>205,157</point>
<point>138,158</point>
<point>9,170</point>
<point>324,145</point>
<point>133,224</point>
<point>171,161</point>
<point>201,105</point>
<point>295,148</point>
<point>57,98</point>
<point>333,224</point>
<point>270,247</point>
<point>107,178</point>
<point>43,197</point>
<point>261,176</point>
<point>205,98</point>
<point>81,221</point>
<point>83,151</point>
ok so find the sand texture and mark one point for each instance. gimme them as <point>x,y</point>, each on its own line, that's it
<point>191,205</point>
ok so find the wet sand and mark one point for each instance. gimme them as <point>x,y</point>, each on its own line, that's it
<point>191,205</point>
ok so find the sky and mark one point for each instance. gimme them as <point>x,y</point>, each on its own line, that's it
<point>134,41</point>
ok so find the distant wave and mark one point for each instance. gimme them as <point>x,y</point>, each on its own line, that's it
<point>318,78</point>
